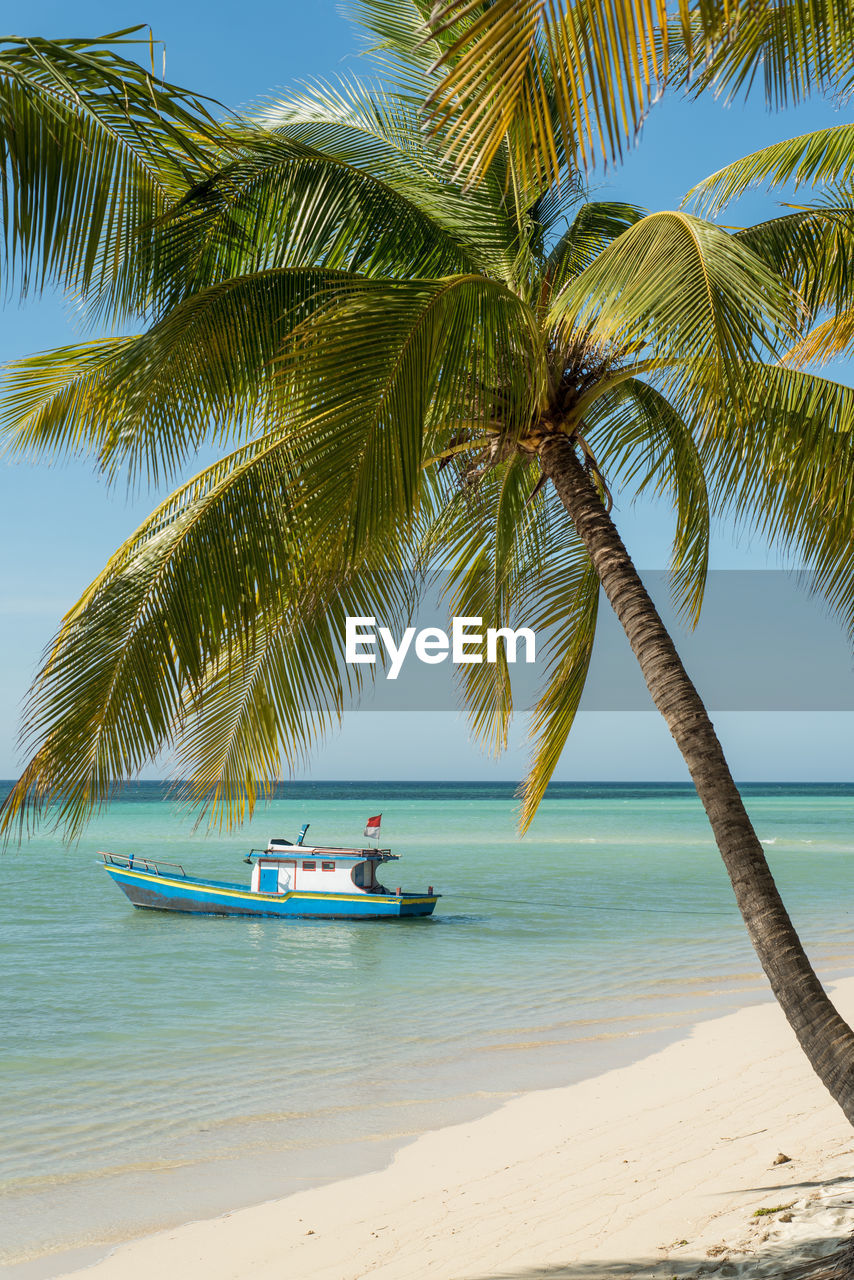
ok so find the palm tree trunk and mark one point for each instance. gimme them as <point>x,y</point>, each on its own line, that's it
<point>825,1038</point>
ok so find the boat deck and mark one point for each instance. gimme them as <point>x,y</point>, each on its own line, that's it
<point>174,872</point>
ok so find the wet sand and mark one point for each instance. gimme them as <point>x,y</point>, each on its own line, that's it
<point>656,1169</point>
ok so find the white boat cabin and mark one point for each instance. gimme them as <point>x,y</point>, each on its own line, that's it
<point>293,868</point>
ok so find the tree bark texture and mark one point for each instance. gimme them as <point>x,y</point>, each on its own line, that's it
<point>824,1036</point>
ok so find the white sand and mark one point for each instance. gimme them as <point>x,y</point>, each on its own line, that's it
<point>654,1169</point>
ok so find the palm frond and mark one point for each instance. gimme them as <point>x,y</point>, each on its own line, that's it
<point>830,340</point>
<point>788,474</point>
<point>813,249</point>
<point>396,368</point>
<point>643,445</point>
<point>676,289</point>
<point>56,403</point>
<point>488,541</point>
<point>205,371</point>
<point>376,132</point>
<point>275,528</point>
<point>824,156</point>
<point>110,687</point>
<point>568,605</point>
<point>567,83</point>
<point>507,553</point>
<point>595,225</point>
<point>284,204</point>
<point>232,592</point>
<point>395,33</point>
<point>271,695</point>
<point>93,148</point>
<point>339,174</point>
<point>791,50</point>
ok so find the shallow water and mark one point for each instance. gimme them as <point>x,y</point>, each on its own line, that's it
<point>157,1066</point>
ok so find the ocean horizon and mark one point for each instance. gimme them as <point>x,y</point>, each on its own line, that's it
<point>161,1067</point>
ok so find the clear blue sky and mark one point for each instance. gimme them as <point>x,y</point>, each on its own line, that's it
<point>59,523</point>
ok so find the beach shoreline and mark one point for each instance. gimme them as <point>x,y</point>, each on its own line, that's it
<point>652,1169</point>
<point>354,1157</point>
<point>203,1066</point>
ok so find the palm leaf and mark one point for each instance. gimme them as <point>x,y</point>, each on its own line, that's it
<point>812,248</point>
<point>205,371</point>
<point>508,554</point>
<point>56,403</point>
<point>282,203</point>
<point>395,31</point>
<point>487,544</point>
<point>223,593</point>
<point>793,50</point>
<point>339,175</point>
<point>110,688</point>
<point>788,475</point>
<point>673,288</point>
<point>380,133</point>
<point>824,156</point>
<point>595,225</point>
<point>274,530</point>
<point>402,366</point>
<point>93,148</point>
<point>643,444</point>
<point>272,694</point>
<point>568,606</point>
<point>569,84</point>
<point>828,341</point>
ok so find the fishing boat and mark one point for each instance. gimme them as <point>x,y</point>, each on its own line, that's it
<point>289,880</point>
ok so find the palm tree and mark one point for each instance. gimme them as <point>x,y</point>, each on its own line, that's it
<point>406,373</point>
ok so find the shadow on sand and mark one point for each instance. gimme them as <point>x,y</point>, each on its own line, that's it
<point>836,1263</point>
<point>800,1186</point>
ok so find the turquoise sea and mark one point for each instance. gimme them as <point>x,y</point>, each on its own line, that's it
<point>157,1067</point>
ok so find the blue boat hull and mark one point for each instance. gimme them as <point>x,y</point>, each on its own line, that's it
<point>219,898</point>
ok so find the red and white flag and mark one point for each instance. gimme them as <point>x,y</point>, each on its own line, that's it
<point>372,827</point>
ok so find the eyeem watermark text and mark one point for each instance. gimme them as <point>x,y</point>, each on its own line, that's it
<point>432,644</point>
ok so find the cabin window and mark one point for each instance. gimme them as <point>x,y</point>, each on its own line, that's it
<point>309,866</point>
<point>327,866</point>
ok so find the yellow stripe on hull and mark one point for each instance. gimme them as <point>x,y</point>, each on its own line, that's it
<point>221,892</point>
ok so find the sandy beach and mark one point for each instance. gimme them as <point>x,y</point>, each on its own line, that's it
<point>669,1167</point>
